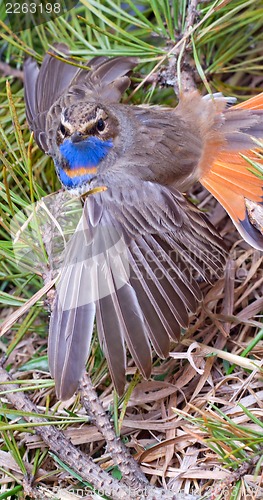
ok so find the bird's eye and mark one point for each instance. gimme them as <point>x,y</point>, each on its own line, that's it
<point>100,125</point>
<point>62,129</point>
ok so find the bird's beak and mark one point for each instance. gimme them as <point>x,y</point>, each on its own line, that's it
<point>77,137</point>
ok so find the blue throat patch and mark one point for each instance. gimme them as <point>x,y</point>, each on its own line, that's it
<point>83,158</point>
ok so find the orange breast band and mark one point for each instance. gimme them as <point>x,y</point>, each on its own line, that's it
<point>78,172</point>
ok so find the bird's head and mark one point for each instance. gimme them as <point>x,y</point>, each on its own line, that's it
<point>85,136</point>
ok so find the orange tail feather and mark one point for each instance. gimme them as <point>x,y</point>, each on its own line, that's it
<point>255,102</point>
<point>231,182</point>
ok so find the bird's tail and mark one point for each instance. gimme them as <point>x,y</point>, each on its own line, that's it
<point>232,178</point>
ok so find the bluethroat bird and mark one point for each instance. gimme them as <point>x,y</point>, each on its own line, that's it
<point>136,163</point>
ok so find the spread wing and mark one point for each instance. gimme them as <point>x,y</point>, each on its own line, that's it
<point>104,78</point>
<point>42,87</point>
<point>134,260</point>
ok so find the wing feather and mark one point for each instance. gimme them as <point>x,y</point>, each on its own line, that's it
<point>139,264</point>
<point>117,299</point>
<point>103,78</point>
<point>72,319</point>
